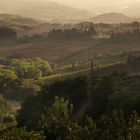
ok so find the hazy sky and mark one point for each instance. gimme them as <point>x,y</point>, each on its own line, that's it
<point>84,4</point>
<point>127,7</point>
<point>93,3</point>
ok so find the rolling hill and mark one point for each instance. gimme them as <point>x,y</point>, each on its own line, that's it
<point>111,18</point>
<point>49,11</point>
<point>131,9</point>
<point>23,25</point>
<point>8,19</point>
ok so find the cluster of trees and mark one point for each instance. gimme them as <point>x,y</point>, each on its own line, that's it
<point>72,33</point>
<point>27,68</point>
<point>8,129</point>
<point>6,118</point>
<point>7,76</point>
<point>133,25</point>
<point>66,31</point>
<point>126,36</point>
<point>7,33</point>
<point>85,107</point>
<point>15,77</point>
<point>20,134</point>
<point>11,87</point>
<point>31,68</point>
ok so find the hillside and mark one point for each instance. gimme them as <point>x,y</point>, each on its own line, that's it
<point>56,51</point>
<point>16,19</point>
<point>111,18</point>
<point>22,25</point>
<point>45,10</point>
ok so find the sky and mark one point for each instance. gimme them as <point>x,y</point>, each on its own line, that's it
<point>84,4</point>
<point>93,3</point>
<point>96,7</point>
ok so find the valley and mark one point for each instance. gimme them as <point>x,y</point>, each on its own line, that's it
<point>69,72</point>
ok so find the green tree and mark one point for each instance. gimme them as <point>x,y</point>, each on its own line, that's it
<point>25,69</point>
<point>58,119</point>
<point>21,134</point>
<point>7,76</point>
<point>134,126</point>
<point>89,130</point>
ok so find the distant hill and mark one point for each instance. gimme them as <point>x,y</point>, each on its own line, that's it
<point>131,9</point>
<point>49,11</point>
<point>7,19</point>
<point>111,18</point>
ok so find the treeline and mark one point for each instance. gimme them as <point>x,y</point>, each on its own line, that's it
<point>72,33</point>
<point>128,36</point>
<point>85,29</point>
<point>61,34</point>
<point>88,107</point>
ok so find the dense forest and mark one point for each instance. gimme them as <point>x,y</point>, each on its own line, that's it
<point>90,106</point>
<point>84,107</point>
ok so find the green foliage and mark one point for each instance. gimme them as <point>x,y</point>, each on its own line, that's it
<point>89,129</point>
<point>91,95</point>
<point>21,134</point>
<point>7,76</point>
<point>5,115</point>
<point>19,78</point>
<point>118,126</point>
<point>4,107</point>
<point>57,122</point>
<point>31,68</point>
<point>127,98</point>
<point>134,126</point>
<point>43,65</point>
<point>25,70</point>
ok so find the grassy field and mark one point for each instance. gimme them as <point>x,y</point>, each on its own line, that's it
<point>67,74</point>
<point>65,52</point>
